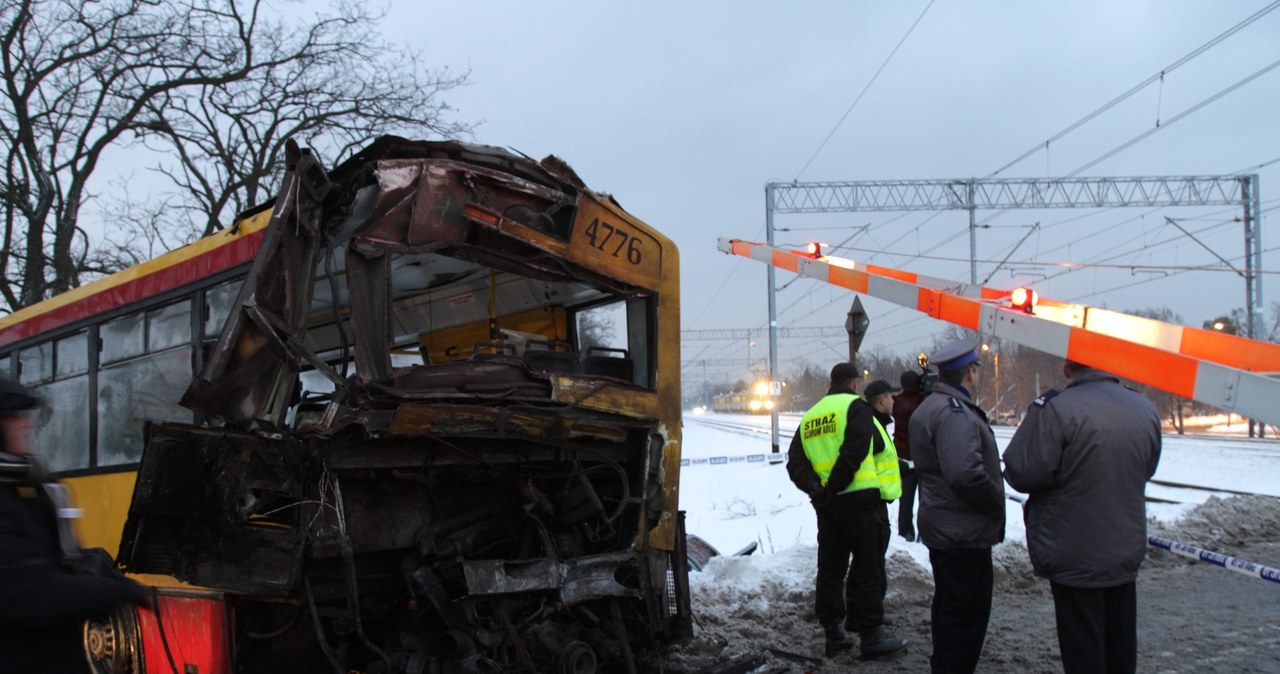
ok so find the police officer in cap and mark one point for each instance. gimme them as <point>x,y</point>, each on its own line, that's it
<point>46,593</point>
<point>962,509</point>
<point>837,457</point>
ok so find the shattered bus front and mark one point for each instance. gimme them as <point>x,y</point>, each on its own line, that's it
<point>435,436</point>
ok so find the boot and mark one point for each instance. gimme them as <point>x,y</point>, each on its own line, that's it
<point>876,643</point>
<point>837,642</point>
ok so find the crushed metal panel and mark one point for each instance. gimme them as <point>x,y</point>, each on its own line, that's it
<point>604,395</point>
<point>577,580</point>
<point>464,420</point>
<point>500,576</point>
<point>250,374</point>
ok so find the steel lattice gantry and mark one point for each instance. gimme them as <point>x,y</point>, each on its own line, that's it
<point>1007,193</point>
<point>974,194</point>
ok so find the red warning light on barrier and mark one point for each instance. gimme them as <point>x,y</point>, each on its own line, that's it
<point>813,249</point>
<point>1024,299</point>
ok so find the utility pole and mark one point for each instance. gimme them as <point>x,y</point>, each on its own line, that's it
<point>775,456</point>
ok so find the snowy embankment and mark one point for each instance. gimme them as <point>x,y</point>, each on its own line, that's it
<point>749,604</point>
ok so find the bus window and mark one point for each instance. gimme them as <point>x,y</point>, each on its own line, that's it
<point>123,338</point>
<point>36,364</point>
<point>614,340</point>
<point>169,326</point>
<point>62,420</point>
<point>137,391</point>
<point>62,423</point>
<point>602,326</point>
<point>72,355</point>
<point>218,302</point>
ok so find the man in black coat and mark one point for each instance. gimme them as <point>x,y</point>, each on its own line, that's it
<point>43,601</point>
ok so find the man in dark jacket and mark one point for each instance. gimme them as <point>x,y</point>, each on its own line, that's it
<point>1084,454</point>
<point>832,459</point>
<point>962,509</point>
<point>43,602</point>
<point>904,405</point>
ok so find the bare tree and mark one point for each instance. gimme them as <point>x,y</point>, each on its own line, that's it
<point>81,75</point>
<point>227,141</point>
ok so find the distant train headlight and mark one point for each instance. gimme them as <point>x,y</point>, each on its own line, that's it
<point>755,405</point>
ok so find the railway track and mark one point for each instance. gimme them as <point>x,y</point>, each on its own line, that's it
<point>736,427</point>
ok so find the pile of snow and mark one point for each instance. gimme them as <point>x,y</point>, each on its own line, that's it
<point>1226,524</point>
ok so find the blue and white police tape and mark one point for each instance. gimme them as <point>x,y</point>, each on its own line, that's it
<point>1225,561</point>
<point>723,460</point>
<point>1190,551</point>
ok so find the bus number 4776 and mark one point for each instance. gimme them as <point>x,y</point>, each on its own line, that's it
<point>612,240</point>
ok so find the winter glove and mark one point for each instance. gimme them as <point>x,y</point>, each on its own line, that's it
<point>820,498</point>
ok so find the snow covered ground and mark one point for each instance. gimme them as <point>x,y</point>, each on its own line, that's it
<point>732,498</point>
<point>734,503</point>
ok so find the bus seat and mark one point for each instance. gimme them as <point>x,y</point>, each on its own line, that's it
<point>498,349</point>
<point>550,356</point>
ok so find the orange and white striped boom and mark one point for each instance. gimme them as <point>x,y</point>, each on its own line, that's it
<point>1231,373</point>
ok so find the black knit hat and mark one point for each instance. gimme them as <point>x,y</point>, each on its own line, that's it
<point>15,397</point>
<point>843,372</point>
<point>879,387</point>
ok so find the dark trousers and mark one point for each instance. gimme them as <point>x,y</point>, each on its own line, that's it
<point>907,504</point>
<point>961,608</point>
<point>1097,628</point>
<point>849,526</point>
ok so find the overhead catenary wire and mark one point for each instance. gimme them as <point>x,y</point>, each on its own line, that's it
<point>1159,76</point>
<point>1178,117</point>
<point>865,89</point>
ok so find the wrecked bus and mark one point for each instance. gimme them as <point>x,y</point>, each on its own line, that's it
<point>438,430</point>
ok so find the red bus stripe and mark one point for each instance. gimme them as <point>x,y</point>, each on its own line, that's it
<point>117,295</point>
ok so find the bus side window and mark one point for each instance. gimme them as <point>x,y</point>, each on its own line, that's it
<point>146,367</point>
<point>218,302</point>
<point>62,420</point>
<point>169,326</point>
<point>35,365</point>
<point>122,338</point>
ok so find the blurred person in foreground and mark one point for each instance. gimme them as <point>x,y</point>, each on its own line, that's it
<point>904,405</point>
<point>47,592</point>
<point>962,511</point>
<point>841,456</point>
<point>1084,454</point>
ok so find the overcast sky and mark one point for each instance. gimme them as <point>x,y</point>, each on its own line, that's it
<point>684,111</point>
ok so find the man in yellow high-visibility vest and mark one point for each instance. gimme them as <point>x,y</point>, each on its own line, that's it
<point>843,458</point>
